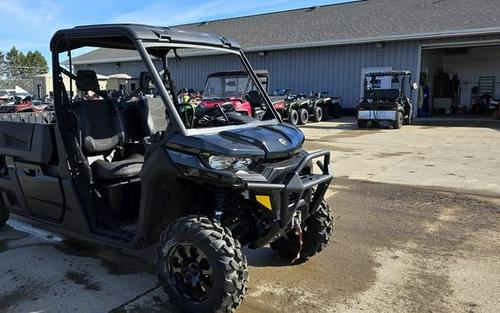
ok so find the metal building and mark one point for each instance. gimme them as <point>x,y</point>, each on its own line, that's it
<point>327,48</point>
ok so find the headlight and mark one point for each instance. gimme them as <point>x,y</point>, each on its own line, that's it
<point>218,162</point>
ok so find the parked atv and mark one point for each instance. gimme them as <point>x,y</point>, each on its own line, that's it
<point>296,108</point>
<point>139,173</point>
<point>386,105</point>
<point>322,107</point>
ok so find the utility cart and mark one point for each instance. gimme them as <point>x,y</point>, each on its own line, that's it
<point>389,106</point>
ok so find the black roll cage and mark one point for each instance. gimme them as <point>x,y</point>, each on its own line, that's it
<point>140,38</point>
<point>402,75</point>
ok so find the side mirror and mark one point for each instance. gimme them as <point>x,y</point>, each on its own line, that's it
<point>414,86</point>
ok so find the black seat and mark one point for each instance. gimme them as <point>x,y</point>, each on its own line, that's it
<point>146,116</point>
<point>127,168</point>
<point>102,132</point>
<point>255,99</point>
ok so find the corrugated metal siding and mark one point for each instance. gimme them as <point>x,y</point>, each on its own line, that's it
<point>333,69</point>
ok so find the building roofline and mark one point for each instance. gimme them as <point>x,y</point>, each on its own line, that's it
<point>347,2</point>
<point>405,37</point>
<point>417,36</point>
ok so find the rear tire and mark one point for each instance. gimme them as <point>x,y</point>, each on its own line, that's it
<point>317,232</point>
<point>293,117</point>
<point>201,266</point>
<point>336,110</point>
<point>303,116</point>
<point>318,114</point>
<point>399,121</point>
<point>408,120</point>
<point>4,214</point>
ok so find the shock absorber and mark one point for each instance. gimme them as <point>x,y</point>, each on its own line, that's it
<point>220,197</point>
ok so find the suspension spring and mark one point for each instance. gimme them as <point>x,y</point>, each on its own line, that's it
<point>220,201</point>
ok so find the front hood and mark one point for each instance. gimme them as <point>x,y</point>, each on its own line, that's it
<point>270,141</point>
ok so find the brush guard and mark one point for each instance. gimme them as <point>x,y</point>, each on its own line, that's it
<point>299,193</point>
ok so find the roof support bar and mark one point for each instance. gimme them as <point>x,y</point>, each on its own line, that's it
<point>174,118</point>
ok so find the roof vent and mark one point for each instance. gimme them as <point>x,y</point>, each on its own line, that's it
<point>314,8</point>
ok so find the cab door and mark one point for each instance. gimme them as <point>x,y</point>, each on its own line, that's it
<point>30,151</point>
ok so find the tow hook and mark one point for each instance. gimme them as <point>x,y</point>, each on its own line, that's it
<point>296,224</point>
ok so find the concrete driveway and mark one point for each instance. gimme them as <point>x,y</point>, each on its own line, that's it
<point>448,154</point>
<point>417,213</point>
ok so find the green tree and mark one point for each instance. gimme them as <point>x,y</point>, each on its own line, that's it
<point>27,65</point>
<point>36,63</point>
<point>15,60</point>
<point>3,65</point>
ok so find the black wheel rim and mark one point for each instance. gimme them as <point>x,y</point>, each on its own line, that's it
<point>190,272</point>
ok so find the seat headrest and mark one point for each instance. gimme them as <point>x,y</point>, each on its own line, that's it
<point>86,80</point>
<point>254,98</point>
<point>145,80</point>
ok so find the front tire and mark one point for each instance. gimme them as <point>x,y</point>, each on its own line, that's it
<point>408,120</point>
<point>303,116</point>
<point>336,110</point>
<point>201,266</point>
<point>293,117</point>
<point>317,231</point>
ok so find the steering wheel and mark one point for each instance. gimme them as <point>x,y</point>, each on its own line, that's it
<point>212,116</point>
<point>133,94</point>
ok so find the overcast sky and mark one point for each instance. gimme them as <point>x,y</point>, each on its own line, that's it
<point>29,24</point>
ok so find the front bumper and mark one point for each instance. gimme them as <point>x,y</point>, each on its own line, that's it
<point>290,188</point>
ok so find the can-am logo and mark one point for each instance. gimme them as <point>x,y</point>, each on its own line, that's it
<point>250,140</point>
<point>283,141</point>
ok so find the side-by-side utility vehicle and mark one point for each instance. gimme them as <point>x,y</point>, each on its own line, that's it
<point>237,88</point>
<point>386,104</point>
<point>140,171</point>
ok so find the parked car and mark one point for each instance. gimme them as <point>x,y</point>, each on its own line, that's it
<point>386,105</point>
<point>197,188</point>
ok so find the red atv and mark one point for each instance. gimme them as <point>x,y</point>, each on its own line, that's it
<point>236,87</point>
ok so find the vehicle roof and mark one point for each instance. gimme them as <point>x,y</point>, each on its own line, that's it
<point>259,73</point>
<point>123,36</point>
<point>387,73</point>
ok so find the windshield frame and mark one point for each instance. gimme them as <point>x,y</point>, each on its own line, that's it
<point>176,121</point>
<point>246,78</point>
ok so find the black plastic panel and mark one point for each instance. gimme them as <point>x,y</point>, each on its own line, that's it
<point>42,193</point>
<point>27,141</point>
